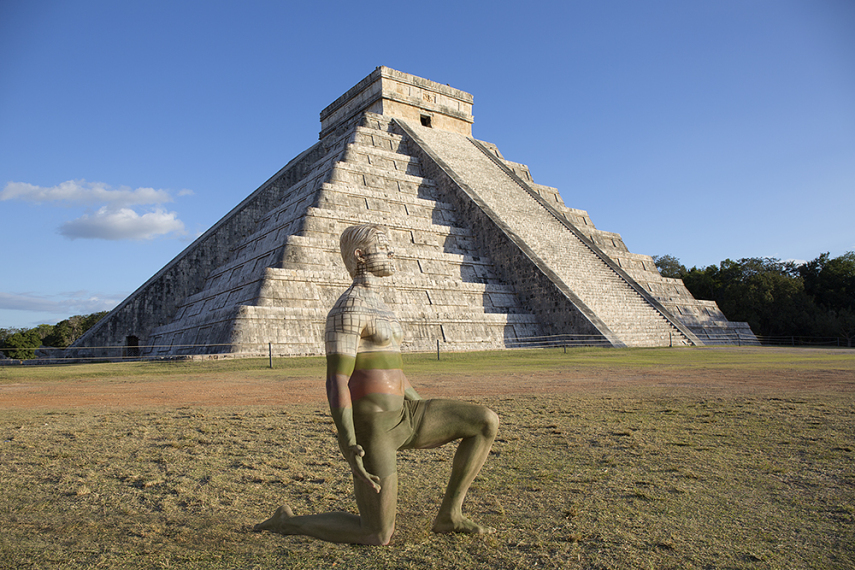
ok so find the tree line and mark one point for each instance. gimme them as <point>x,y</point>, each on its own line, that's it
<point>777,298</point>
<point>21,344</point>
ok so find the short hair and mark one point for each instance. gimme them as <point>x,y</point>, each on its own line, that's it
<point>357,237</point>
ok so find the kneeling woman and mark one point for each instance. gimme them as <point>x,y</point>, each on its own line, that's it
<point>377,411</point>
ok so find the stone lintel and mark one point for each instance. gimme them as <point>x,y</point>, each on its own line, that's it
<point>396,94</point>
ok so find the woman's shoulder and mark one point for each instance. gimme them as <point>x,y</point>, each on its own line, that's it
<point>349,301</point>
<point>356,299</point>
<point>353,310</point>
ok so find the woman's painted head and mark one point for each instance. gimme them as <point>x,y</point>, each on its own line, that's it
<point>366,245</point>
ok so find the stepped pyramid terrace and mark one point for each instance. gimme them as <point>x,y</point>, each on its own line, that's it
<point>486,258</point>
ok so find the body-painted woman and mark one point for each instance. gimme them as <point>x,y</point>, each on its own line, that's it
<point>377,411</point>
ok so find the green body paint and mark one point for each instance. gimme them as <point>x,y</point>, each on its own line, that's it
<point>345,364</point>
<point>340,364</point>
<point>379,361</point>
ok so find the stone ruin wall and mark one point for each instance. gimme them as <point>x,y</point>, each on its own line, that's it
<point>155,302</point>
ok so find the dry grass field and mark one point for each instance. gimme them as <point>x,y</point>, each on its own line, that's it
<point>646,458</point>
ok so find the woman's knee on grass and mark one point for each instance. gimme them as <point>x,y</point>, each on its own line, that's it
<point>482,419</point>
<point>490,423</point>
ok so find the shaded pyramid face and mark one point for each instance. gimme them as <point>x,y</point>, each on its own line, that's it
<point>486,258</point>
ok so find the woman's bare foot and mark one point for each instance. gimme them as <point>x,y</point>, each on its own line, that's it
<point>278,522</point>
<point>460,524</point>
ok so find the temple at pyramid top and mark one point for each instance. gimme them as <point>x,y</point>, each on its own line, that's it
<point>486,258</point>
<point>396,94</point>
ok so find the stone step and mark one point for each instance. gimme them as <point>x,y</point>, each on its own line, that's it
<point>332,193</point>
<point>342,197</point>
<point>402,230</point>
<point>360,175</point>
<point>382,140</point>
<point>376,122</point>
<point>405,251</point>
<point>383,152</point>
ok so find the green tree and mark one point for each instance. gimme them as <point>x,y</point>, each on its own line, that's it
<point>765,292</point>
<point>838,323</point>
<point>90,321</point>
<point>22,345</point>
<point>6,333</point>
<point>43,331</point>
<point>67,331</point>
<point>703,283</point>
<point>61,335</point>
<point>831,285</point>
<point>669,266</point>
<point>831,282</point>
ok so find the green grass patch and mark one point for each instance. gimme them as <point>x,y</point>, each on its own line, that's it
<point>454,363</point>
<point>556,359</point>
<point>159,369</point>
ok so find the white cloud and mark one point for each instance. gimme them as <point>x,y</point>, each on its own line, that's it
<point>116,218</point>
<point>25,302</point>
<point>69,304</point>
<point>121,224</point>
<point>82,192</point>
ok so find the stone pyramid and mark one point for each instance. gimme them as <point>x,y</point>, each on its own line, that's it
<point>486,258</point>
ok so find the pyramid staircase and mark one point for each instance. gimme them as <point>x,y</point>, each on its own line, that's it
<point>617,307</point>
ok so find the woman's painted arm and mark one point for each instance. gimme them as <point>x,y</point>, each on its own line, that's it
<point>339,369</point>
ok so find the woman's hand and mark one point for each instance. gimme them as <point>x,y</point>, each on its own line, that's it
<point>354,455</point>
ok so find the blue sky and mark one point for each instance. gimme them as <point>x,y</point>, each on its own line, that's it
<point>706,129</point>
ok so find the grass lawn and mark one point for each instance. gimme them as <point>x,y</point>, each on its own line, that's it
<point>639,475</point>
